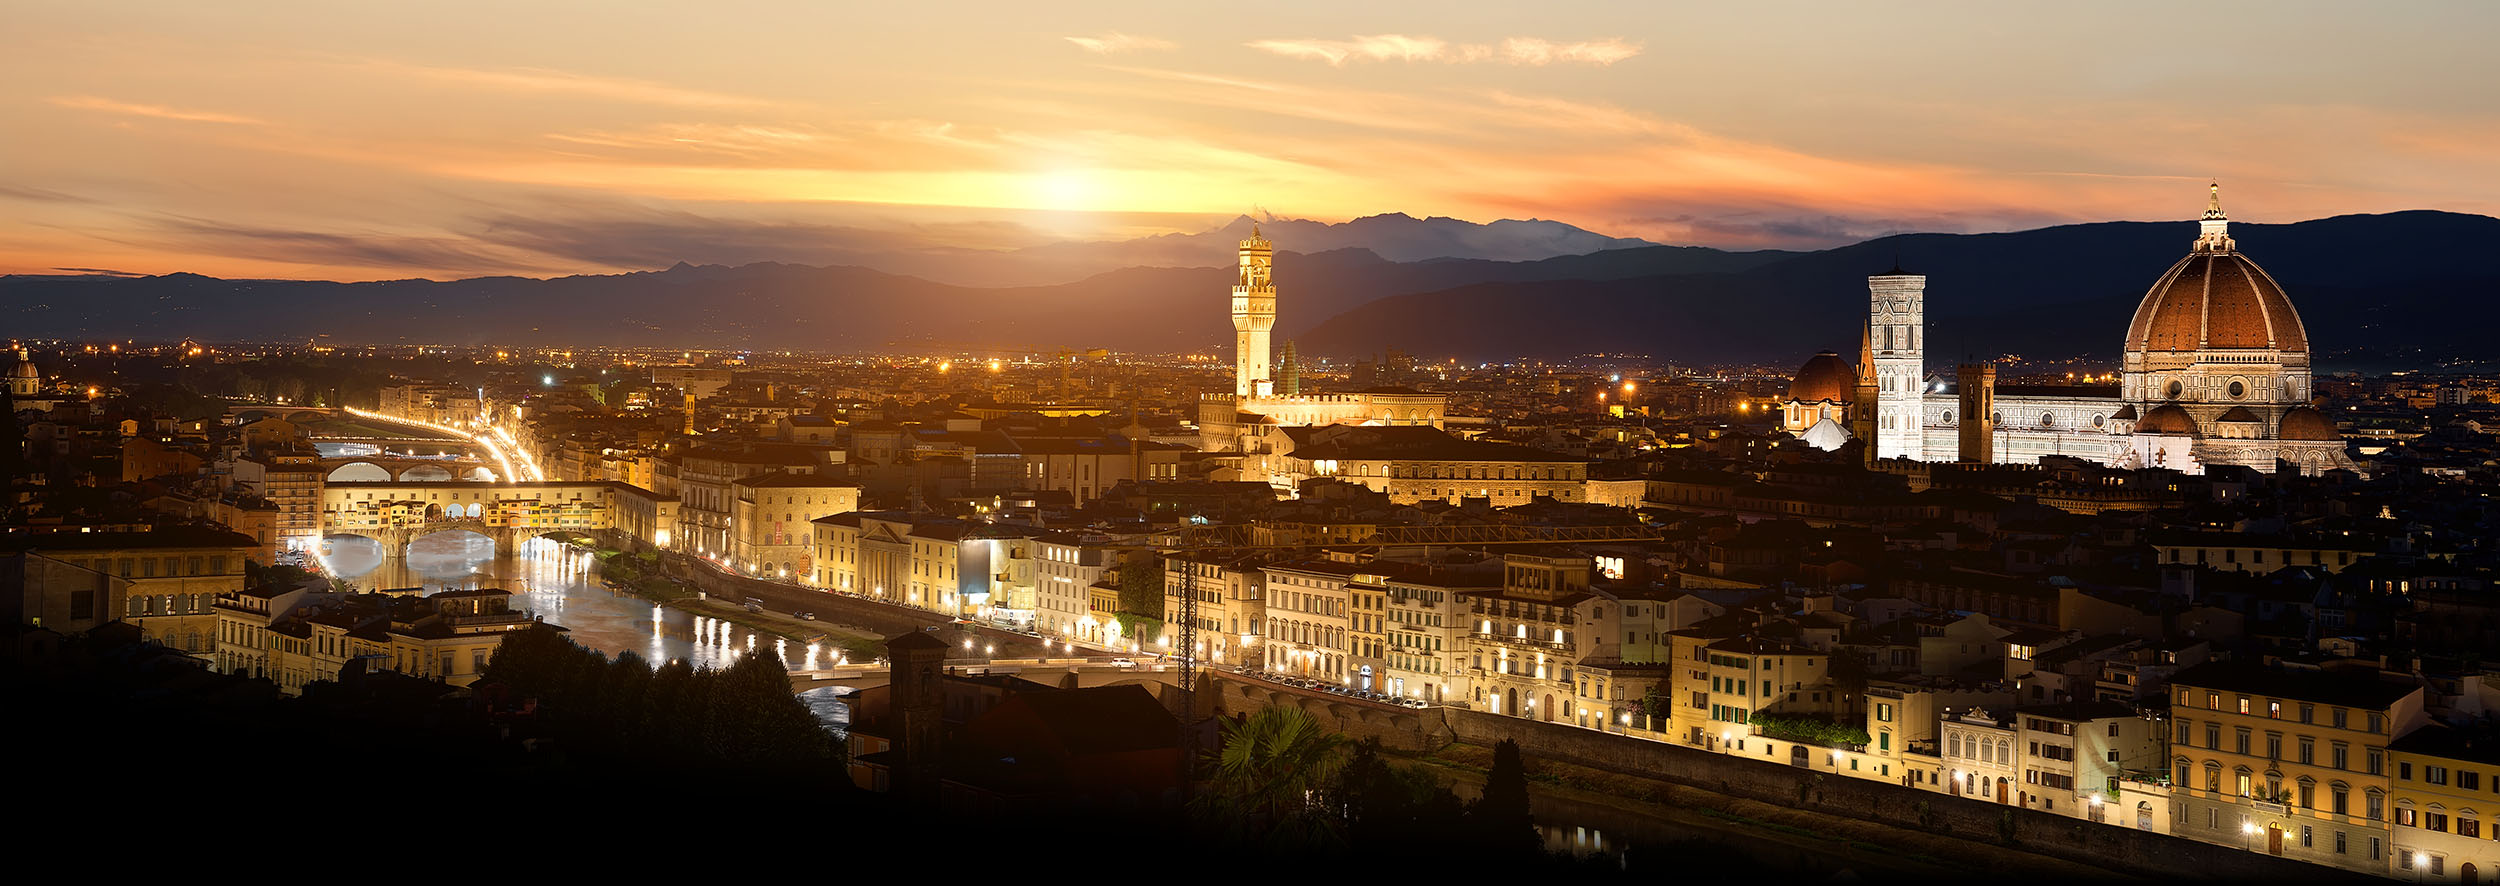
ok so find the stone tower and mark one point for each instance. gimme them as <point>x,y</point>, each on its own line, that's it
<point>918,697</point>
<point>1897,339</point>
<point>1862,422</point>
<point>1254,314</point>
<point>1977,384</point>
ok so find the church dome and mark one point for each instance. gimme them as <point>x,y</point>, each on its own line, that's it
<point>25,368</point>
<point>2307,423</point>
<point>1825,377</point>
<point>2167,418</point>
<point>2216,298</point>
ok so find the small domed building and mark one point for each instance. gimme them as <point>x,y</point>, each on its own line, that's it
<point>1817,408</point>
<point>24,379</point>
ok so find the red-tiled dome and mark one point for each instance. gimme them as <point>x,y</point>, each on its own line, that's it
<point>1826,377</point>
<point>2305,423</point>
<point>2167,418</point>
<point>2216,299</point>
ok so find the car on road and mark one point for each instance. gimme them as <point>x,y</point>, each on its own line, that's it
<point>1123,663</point>
<point>755,607</point>
<point>805,616</point>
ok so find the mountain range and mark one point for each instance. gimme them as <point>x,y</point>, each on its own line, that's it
<point>2401,286</point>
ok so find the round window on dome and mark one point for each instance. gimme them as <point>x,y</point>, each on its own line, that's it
<point>2176,388</point>
<point>2238,390</point>
<point>2096,420</point>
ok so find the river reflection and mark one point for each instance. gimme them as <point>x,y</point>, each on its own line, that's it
<point>560,583</point>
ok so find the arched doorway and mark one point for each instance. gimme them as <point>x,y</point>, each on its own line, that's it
<point>2003,789</point>
<point>2465,874</point>
<point>1549,707</point>
<point>1363,680</point>
<point>1513,707</point>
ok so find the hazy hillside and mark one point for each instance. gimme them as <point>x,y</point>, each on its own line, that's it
<point>2387,284</point>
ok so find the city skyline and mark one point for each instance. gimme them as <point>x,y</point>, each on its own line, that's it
<point>155,139</point>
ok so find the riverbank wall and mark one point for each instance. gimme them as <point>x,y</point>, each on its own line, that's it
<point>2126,849</point>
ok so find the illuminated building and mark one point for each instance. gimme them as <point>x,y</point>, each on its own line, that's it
<point>2443,794</point>
<point>163,581</point>
<point>1243,421</point>
<point>2289,763</point>
<point>2216,371</point>
<point>770,516</point>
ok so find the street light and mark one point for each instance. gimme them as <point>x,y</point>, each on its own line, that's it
<point>2248,836</point>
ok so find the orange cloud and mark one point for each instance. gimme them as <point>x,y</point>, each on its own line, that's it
<point>161,112</point>
<point>1112,42</point>
<point>1533,51</point>
<point>542,80</point>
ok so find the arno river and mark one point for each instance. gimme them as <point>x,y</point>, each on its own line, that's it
<point>560,584</point>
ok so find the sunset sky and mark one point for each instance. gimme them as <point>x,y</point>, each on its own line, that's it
<point>352,140</point>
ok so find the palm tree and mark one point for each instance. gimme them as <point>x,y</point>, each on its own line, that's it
<point>1271,766</point>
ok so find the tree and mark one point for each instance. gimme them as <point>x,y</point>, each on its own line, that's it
<point>1270,768</point>
<point>1384,805</point>
<point>752,719</point>
<point>1654,706</point>
<point>1141,585</point>
<point>1499,819</point>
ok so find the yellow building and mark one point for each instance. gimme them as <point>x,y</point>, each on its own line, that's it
<point>956,567</point>
<point>2446,797</point>
<point>1688,695</point>
<point>1232,605</point>
<point>1756,675</point>
<point>296,637</point>
<point>1904,718</point>
<point>770,516</point>
<point>164,580</point>
<point>2289,763</point>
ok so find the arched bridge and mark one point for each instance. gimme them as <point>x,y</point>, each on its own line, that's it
<point>396,514</point>
<point>381,468</point>
<point>396,538</point>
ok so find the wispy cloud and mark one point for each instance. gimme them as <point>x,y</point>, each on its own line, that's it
<point>1110,42</point>
<point>161,112</point>
<point>1534,51</point>
<point>545,80</point>
<point>41,195</point>
<point>1401,47</point>
<point>331,249</point>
